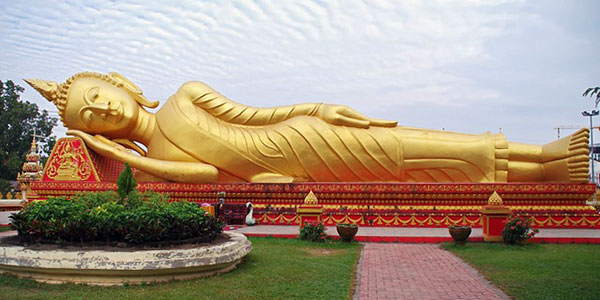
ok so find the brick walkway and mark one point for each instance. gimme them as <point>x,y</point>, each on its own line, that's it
<point>418,271</point>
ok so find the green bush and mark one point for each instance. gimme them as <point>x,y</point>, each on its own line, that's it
<point>517,230</point>
<point>314,232</point>
<point>101,217</point>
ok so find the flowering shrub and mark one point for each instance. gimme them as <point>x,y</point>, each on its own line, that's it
<point>102,217</point>
<point>314,232</point>
<point>517,230</point>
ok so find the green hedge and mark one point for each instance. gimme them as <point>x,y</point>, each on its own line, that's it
<point>105,218</point>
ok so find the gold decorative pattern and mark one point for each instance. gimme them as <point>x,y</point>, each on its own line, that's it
<point>70,161</point>
<point>495,200</point>
<point>311,199</point>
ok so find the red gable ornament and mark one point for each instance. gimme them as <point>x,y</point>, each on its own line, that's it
<point>70,161</point>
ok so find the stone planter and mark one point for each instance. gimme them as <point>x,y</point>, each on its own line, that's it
<point>347,232</point>
<point>100,267</point>
<point>460,234</point>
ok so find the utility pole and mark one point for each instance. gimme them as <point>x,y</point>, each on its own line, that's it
<point>561,127</point>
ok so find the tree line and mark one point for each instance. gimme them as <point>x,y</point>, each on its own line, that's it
<point>18,121</point>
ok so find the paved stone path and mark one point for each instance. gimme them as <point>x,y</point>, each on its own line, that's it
<point>418,271</point>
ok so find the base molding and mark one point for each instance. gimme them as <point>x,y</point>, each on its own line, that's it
<point>551,205</point>
<point>97,267</point>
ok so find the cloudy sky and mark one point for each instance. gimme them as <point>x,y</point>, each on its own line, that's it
<point>467,66</point>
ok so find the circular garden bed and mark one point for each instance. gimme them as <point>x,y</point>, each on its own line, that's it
<point>110,239</point>
<point>105,265</point>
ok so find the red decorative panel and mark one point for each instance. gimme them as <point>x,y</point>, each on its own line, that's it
<point>108,169</point>
<point>70,161</point>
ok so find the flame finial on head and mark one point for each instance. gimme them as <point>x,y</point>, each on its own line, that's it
<point>52,91</point>
<point>46,88</point>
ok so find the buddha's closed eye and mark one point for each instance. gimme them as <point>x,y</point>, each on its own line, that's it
<point>91,95</point>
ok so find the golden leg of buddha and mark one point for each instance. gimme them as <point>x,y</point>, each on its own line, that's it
<point>564,160</point>
<point>199,135</point>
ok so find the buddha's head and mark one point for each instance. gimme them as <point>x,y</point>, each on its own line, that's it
<point>95,103</point>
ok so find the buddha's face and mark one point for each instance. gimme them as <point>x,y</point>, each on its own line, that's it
<point>96,106</point>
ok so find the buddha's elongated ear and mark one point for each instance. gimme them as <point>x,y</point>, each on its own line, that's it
<point>133,89</point>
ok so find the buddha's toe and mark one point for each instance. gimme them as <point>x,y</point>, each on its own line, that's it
<point>578,157</point>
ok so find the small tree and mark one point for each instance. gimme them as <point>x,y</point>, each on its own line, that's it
<point>126,183</point>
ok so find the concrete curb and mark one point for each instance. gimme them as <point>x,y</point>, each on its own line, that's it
<point>117,268</point>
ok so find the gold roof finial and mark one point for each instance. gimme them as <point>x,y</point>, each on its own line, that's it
<point>495,200</point>
<point>311,199</point>
<point>33,146</point>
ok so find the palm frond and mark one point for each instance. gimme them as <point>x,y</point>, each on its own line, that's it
<point>593,92</point>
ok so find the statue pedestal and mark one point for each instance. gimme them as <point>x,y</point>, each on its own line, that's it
<point>309,214</point>
<point>492,219</point>
<point>389,204</point>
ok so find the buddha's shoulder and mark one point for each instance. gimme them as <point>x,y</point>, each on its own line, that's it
<point>194,89</point>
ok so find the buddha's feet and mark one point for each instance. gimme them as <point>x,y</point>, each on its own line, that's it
<point>567,159</point>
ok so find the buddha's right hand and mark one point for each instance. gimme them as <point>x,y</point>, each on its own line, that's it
<point>100,144</point>
<point>191,172</point>
<point>345,116</point>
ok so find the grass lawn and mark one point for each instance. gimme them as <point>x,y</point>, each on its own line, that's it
<point>274,269</point>
<point>537,271</point>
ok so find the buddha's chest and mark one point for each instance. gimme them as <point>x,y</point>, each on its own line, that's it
<point>161,148</point>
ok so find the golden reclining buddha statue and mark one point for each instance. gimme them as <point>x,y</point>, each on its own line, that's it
<point>200,136</point>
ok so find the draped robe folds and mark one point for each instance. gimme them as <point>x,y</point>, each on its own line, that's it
<point>308,148</point>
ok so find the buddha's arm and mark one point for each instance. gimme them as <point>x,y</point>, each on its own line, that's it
<point>221,107</point>
<point>191,172</point>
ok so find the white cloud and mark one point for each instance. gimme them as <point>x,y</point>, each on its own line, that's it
<point>382,57</point>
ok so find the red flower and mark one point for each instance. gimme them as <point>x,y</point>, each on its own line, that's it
<point>512,227</point>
